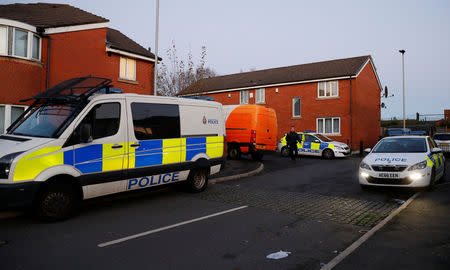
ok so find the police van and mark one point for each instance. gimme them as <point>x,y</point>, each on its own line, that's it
<point>78,140</point>
<point>402,161</point>
<point>316,144</point>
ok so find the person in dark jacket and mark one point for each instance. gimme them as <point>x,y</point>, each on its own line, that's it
<point>291,140</point>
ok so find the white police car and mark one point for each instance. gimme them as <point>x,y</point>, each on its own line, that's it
<point>407,161</point>
<point>316,144</point>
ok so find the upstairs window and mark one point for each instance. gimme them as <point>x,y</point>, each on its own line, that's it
<point>127,68</point>
<point>260,95</point>
<point>328,89</point>
<point>3,40</point>
<point>20,43</point>
<point>296,107</point>
<point>244,97</point>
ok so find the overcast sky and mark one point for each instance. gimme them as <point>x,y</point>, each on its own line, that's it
<point>258,34</point>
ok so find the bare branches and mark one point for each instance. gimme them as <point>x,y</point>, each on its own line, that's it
<point>176,74</point>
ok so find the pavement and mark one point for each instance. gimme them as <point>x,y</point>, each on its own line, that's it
<point>418,238</point>
<point>235,168</point>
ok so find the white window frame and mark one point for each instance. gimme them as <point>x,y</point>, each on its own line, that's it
<point>30,35</point>
<point>261,98</point>
<point>240,97</point>
<point>7,39</point>
<point>328,86</point>
<point>332,125</point>
<point>293,107</point>
<point>7,120</point>
<point>126,68</point>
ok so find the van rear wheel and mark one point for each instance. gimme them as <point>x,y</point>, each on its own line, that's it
<point>56,202</point>
<point>234,152</point>
<point>198,180</point>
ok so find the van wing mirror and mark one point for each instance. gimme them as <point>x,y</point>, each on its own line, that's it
<point>85,133</point>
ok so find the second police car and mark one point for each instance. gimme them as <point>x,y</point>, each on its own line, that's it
<point>408,161</point>
<point>315,144</point>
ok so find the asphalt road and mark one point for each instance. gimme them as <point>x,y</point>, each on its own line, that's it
<point>313,208</point>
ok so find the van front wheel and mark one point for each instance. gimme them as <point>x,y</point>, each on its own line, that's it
<point>198,180</point>
<point>56,202</point>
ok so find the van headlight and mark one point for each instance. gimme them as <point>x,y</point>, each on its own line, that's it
<point>5,164</point>
<point>418,166</point>
<point>365,166</point>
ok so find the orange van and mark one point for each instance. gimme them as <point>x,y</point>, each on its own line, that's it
<point>250,129</point>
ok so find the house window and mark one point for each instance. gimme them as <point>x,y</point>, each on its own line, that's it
<point>260,95</point>
<point>9,114</point>
<point>296,107</point>
<point>244,97</point>
<point>127,68</point>
<point>3,40</point>
<point>20,43</point>
<point>36,48</point>
<point>328,89</point>
<point>329,125</point>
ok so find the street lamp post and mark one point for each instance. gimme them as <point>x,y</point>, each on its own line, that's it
<point>155,72</point>
<point>403,75</point>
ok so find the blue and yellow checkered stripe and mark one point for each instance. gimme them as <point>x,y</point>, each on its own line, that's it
<point>102,157</point>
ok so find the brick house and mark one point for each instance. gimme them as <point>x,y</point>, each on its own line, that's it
<point>338,98</point>
<point>44,44</point>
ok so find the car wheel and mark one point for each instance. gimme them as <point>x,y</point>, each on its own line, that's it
<point>328,154</point>
<point>198,180</point>
<point>56,202</point>
<point>284,151</point>
<point>234,152</point>
<point>432,180</point>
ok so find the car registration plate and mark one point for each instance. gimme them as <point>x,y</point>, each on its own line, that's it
<point>388,175</point>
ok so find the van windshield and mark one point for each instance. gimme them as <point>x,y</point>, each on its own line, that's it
<point>47,120</point>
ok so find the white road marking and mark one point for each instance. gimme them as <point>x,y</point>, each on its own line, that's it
<point>366,236</point>
<point>169,227</point>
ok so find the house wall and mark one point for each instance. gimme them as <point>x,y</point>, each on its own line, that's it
<point>365,107</point>
<point>82,53</point>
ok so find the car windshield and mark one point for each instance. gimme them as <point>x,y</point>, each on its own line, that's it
<point>323,138</point>
<point>442,137</point>
<point>401,145</point>
<point>44,121</point>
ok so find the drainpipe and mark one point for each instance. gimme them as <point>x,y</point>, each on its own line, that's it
<point>351,114</point>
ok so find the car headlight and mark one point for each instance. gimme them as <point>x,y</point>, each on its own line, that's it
<point>418,166</point>
<point>5,164</point>
<point>364,166</point>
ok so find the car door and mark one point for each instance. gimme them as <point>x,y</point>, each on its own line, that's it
<point>311,145</point>
<point>438,158</point>
<point>100,160</point>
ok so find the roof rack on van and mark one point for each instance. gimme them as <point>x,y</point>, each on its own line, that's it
<point>75,89</point>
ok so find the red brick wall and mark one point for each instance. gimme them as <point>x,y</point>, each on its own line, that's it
<point>19,79</point>
<point>81,53</point>
<point>367,115</point>
<point>366,107</point>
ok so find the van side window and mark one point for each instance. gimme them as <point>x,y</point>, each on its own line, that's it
<point>155,121</point>
<point>104,119</point>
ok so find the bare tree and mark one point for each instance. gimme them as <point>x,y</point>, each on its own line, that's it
<point>176,74</point>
